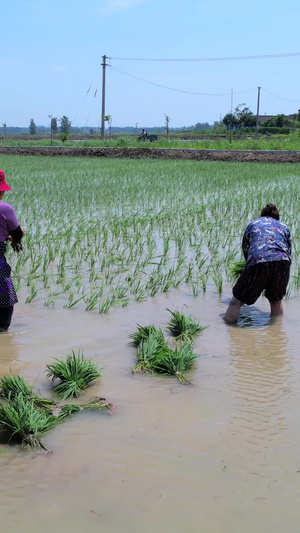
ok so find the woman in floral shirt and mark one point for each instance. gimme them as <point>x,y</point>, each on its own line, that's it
<point>267,250</point>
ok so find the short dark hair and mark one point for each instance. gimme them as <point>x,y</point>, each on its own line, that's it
<point>270,210</point>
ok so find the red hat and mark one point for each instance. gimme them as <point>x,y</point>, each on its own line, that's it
<point>3,185</point>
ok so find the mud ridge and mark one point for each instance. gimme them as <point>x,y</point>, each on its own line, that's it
<point>264,156</point>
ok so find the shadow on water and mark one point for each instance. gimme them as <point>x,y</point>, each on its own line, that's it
<point>253,317</point>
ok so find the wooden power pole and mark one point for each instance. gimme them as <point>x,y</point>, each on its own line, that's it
<point>104,64</point>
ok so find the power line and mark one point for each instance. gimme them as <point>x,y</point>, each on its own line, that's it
<point>172,88</point>
<point>234,58</point>
<point>86,94</point>
<point>281,97</point>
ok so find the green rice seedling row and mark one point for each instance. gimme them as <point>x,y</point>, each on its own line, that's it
<point>108,232</point>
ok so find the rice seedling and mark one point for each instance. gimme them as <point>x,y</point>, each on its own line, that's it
<point>218,280</point>
<point>32,295</point>
<point>73,301</point>
<point>75,374</point>
<point>187,219</point>
<point>23,422</point>
<point>175,362</point>
<point>183,327</point>
<point>106,304</point>
<point>92,301</point>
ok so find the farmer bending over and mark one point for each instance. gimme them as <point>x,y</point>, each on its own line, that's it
<point>267,250</point>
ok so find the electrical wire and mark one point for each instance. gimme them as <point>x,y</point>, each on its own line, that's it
<point>281,97</point>
<point>235,58</point>
<point>174,89</point>
<point>86,94</point>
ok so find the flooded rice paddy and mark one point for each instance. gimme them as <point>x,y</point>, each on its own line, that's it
<point>221,455</point>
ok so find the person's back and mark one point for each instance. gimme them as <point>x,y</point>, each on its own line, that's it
<point>8,220</point>
<point>266,239</point>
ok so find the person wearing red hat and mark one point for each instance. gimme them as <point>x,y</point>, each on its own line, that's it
<point>10,230</point>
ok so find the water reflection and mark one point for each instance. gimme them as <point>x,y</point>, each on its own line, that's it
<point>261,386</point>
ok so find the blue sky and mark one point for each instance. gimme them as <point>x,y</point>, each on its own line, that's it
<point>51,56</point>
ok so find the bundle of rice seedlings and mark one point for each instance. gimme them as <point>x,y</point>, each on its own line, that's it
<point>143,333</point>
<point>183,327</point>
<point>148,350</point>
<point>75,374</point>
<point>236,269</point>
<point>14,385</point>
<point>70,408</point>
<point>20,420</point>
<point>175,362</point>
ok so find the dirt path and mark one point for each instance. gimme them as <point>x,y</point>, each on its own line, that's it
<point>266,156</point>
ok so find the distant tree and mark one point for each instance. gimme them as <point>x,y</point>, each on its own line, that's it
<point>276,122</point>
<point>202,126</point>
<point>244,116</point>
<point>4,128</point>
<point>281,121</point>
<point>92,131</point>
<point>32,127</point>
<point>65,125</point>
<point>167,124</point>
<point>53,126</point>
<point>230,120</point>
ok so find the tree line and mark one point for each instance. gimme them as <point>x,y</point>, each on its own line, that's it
<point>244,118</point>
<point>65,126</point>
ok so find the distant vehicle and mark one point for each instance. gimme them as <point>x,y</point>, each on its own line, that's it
<point>145,137</point>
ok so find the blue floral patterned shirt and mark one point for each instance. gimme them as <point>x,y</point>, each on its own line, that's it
<point>266,239</point>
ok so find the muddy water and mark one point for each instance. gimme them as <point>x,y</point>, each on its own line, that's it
<point>221,455</point>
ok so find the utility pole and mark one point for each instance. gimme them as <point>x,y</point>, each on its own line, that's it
<point>104,64</point>
<point>257,112</point>
<point>50,117</point>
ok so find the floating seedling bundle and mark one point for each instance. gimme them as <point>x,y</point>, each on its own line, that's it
<point>25,417</point>
<point>154,355</point>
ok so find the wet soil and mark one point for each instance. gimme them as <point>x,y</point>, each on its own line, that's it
<point>265,156</point>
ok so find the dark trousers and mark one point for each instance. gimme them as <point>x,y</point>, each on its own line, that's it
<point>5,317</point>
